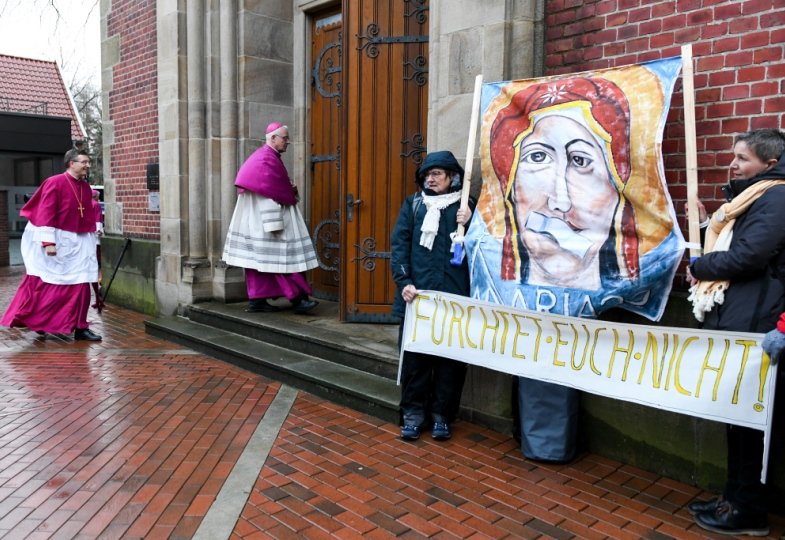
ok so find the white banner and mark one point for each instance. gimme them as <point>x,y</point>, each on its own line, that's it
<point>722,376</point>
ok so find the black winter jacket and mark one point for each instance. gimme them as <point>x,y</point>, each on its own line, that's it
<point>754,264</point>
<point>411,263</point>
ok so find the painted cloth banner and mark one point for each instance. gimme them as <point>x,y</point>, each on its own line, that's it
<point>718,375</point>
<point>574,216</point>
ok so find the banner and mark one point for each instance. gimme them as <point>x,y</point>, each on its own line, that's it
<point>574,216</point>
<point>722,376</point>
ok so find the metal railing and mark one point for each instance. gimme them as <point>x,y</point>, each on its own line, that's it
<point>23,106</point>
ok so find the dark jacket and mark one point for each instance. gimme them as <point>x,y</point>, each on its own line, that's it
<point>411,263</point>
<point>426,269</point>
<point>754,264</point>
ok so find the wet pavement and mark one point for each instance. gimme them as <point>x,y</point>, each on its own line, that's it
<point>135,437</point>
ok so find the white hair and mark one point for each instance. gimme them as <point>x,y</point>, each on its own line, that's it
<point>268,137</point>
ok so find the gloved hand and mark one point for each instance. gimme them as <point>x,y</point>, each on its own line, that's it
<point>774,344</point>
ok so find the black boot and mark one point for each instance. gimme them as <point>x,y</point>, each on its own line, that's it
<point>260,305</point>
<point>700,507</point>
<point>725,519</point>
<point>85,334</point>
<point>303,304</point>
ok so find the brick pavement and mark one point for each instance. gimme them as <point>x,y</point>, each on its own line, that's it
<point>134,437</point>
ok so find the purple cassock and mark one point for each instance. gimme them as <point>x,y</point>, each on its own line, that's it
<point>267,235</point>
<point>54,295</point>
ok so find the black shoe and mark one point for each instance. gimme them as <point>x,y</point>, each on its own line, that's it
<point>304,305</point>
<point>699,507</point>
<point>85,334</point>
<point>725,519</point>
<point>260,305</point>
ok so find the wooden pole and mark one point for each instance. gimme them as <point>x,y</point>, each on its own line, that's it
<point>690,148</point>
<point>457,243</point>
<point>467,176</point>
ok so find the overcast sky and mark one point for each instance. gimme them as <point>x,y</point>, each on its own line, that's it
<point>32,29</point>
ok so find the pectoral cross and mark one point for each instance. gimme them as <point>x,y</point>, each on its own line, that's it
<point>78,198</point>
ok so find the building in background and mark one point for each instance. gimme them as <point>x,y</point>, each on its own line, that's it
<point>38,125</point>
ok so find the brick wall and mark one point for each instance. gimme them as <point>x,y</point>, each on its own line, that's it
<point>739,68</point>
<point>133,107</point>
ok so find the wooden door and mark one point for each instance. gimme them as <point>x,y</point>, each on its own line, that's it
<point>385,107</point>
<point>325,151</point>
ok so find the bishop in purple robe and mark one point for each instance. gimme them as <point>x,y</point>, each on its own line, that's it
<point>267,235</point>
<point>59,251</point>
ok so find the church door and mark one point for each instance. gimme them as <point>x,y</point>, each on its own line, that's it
<point>369,107</point>
<point>385,63</point>
<point>325,151</point>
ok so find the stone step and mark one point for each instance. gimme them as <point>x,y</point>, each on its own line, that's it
<point>369,348</point>
<point>363,391</point>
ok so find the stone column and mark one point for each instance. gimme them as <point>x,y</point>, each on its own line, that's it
<point>183,274</point>
<point>196,165</point>
<point>228,116</point>
<point>197,270</point>
<point>171,141</point>
<point>228,283</point>
<point>110,57</point>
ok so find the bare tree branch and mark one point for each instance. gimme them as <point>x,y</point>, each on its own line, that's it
<point>87,99</point>
<point>44,7</point>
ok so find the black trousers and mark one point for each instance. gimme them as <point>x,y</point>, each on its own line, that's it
<point>431,388</point>
<point>745,457</point>
<point>745,454</point>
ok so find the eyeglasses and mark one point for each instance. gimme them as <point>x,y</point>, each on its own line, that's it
<point>434,172</point>
<point>286,138</point>
<point>83,162</point>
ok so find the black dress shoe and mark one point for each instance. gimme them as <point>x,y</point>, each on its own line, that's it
<point>725,519</point>
<point>304,305</point>
<point>85,334</point>
<point>699,507</point>
<point>260,305</point>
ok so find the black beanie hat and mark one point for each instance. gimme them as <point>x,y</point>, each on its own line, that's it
<point>441,160</point>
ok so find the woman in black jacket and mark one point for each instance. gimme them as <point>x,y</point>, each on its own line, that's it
<point>751,268</point>
<point>430,385</point>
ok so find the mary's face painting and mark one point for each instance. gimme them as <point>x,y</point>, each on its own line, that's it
<point>564,201</point>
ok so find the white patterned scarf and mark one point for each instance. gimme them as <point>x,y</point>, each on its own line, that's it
<point>430,225</point>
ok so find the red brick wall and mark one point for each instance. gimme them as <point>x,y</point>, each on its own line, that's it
<point>133,107</point>
<point>739,68</point>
